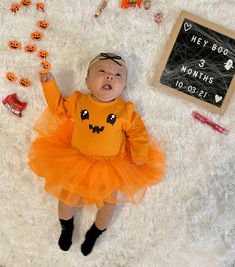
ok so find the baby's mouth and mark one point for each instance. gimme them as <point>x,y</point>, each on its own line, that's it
<point>107,87</point>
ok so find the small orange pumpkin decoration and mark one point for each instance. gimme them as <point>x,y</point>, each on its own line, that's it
<point>43,24</point>
<point>14,44</point>
<point>25,82</point>
<point>45,64</point>
<point>26,3</point>
<point>40,7</point>
<point>30,48</point>
<point>43,72</point>
<point>15,7</point>
<point>11,76</point>
<point>42,54</point>
<point>36,36</point>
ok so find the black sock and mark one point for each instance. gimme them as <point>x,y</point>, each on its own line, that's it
<point>65,240</point>
<point>91,235</point>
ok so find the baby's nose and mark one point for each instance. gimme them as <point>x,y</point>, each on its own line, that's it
<point>109,76</point>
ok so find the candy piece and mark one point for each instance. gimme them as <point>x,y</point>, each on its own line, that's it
<point>210,123</point>
<point>36,36</point>
<point>14,44</point>
<point>40,6</point>
<point>25,82</point>
<point>14,105</point>
<point>26,3</point>
<point>11,77</point>
<point>15,7</point>
<point>131,3</point>
<point>158,17</point>
<point>101,7</point>
<point>45,64</point>
<point>43,72</point>
<point>42,54</point>
<point>43,24</point>
<point>147,4</point>
<point>30,48</point>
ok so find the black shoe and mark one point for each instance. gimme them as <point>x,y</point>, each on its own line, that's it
<point>65,240</point>
<point>91,235</point>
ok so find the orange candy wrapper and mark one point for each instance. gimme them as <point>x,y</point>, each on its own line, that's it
<point>131,3</point>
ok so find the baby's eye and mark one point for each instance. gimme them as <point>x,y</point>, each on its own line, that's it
<point>101,70</point>
<point>118,74</point>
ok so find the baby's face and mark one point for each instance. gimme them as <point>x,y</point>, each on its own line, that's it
<point>106,80</point>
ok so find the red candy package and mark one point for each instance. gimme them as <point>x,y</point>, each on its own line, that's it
<point>131,3</point>
<point>14,105</point>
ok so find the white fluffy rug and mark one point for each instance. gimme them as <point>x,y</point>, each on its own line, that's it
<point>189,219</point>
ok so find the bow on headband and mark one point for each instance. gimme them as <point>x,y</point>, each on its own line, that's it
<point>113,57</point>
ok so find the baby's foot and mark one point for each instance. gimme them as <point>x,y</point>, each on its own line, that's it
<point>65,240</point>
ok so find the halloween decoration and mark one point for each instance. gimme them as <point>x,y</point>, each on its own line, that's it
<point>43,24</point>
<point>30,48</point>
<point>14,105</point>
<point>15,7</point>
<point>40,7</point>
<point>158,17</point>
<point>36,36</point>
<point>101,7</point>
<point>45,64</point>
<point>212,124</point>
<point>147,4</point>
<point>131,3</point>
<point>14,44</point>
<point>26,3</point>
<point>11,77</point>
<point>43,72</point>
<point>25,82</point>
<point>42,54</point>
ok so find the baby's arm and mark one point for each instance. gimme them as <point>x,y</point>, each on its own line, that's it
<point>56,102</point>
<point>137,137</point>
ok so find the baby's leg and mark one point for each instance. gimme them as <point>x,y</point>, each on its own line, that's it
<point>103,218</point>
<point>65,214</point>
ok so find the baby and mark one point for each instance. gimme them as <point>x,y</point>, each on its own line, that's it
<point>93,149</point>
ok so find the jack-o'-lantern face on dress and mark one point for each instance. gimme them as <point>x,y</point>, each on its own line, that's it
<point>15,7</point>
<point>99,125</point>
<point>26,3</point>
<point>25,82</point>
<point>36,36</point>
<point>43,24</point>
<point>30,48</point>
<point>11,76</point>
<point>14,44</point>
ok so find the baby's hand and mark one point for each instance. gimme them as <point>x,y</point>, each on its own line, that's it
<point>46,77</point>
<point>138,163</point>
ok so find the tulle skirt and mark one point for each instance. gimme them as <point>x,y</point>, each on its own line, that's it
<point>80,180</point>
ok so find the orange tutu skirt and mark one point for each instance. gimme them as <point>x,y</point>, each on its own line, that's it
<point>80,180</point>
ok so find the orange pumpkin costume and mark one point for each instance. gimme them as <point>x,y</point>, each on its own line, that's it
<point>85,150</point>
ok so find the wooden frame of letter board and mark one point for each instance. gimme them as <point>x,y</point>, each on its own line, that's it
<point>156,80</point>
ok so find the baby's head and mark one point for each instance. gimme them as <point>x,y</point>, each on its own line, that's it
<point>106,77</point>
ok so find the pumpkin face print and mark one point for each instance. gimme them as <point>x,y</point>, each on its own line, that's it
<point>43,72</point>
<point>26,3</point>
<point>14,44</point>
<point>43,24</point>
<point>36,36</point>
<point>15,7</point>
<point>97,129</point>
<point>11,76</point>
<point>42,54</point>
<point>46,65</point>
<point>25,82</point>
<point>40,6</point>
<point>30,48</point>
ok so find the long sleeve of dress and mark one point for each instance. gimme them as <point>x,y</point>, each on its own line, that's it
<point>56,102</point>
<point>137,136</point>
